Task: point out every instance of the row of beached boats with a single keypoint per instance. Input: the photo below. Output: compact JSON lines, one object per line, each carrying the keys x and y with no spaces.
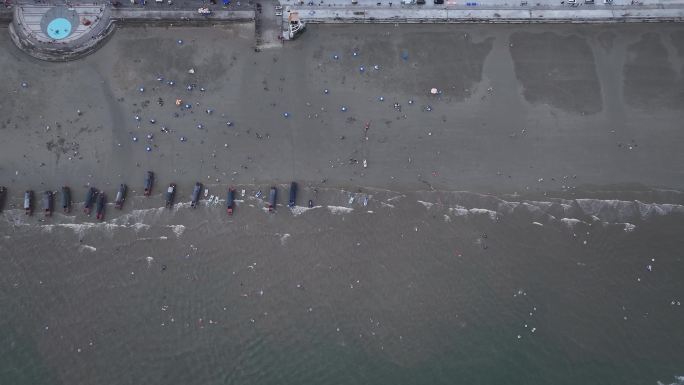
{"x":97,"y":199}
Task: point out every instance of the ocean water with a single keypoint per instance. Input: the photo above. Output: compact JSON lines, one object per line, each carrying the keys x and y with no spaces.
{"x":431,"y":287}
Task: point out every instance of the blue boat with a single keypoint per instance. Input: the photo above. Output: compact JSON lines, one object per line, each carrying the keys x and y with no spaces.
{"x":230,"y":201}
{"x":48,"y":203}
{"x":90,"y":197}
{"x":293,"y":194}
{"x":272,"y":197}
{"x":100,"y":206}
{"x":149,"y":180}
{"x":66,"y":199}
{"x":170,"y":195}
{"x":28,"y":202}
{"x":120,"y":196}
{"x":196,"y":194}
{"x":3,"y":194}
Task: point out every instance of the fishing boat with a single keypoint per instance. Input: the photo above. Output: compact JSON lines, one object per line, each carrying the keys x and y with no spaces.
{"x":120,"y":196}
{"x":28,"y":202}
{"x":293,"y":194}
{"x":170,"y":195}
{"x":66,"y":199}
{"x":90,"y":198}
{"x":272,"y":197}
{"x":3,"y":196}
{"x":195,"y":197}
{"x":100,"y":206}
{"x":149,"y":181}
{"x":48,"y":203}
{"x":230,"y":201}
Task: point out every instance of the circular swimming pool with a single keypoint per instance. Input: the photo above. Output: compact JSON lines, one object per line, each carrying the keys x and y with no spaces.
{"x":59,"y":28}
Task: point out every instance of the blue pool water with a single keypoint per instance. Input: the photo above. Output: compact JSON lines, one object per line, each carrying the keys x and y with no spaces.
{"x":59,"y":28}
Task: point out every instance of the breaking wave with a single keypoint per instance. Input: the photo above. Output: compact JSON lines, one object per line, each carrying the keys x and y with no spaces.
{"x":567,"y":212}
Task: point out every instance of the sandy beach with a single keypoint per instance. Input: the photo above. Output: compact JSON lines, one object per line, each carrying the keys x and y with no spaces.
{"x":521,"y":109}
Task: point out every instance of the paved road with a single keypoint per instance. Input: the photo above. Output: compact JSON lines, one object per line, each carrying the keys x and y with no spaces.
{"x":152,"y":4}
{"x":485,"y":4}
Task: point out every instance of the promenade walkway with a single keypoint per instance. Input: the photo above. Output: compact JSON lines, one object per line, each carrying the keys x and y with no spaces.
{"x":366,"y":11}
{"x":64,"y":32}
{"x":60,"y":31}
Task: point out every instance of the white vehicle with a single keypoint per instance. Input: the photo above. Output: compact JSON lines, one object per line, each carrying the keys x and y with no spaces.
{"x":296,"y":25}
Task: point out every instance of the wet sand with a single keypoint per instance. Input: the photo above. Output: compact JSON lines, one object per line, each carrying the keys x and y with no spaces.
{"x":551,"y":265}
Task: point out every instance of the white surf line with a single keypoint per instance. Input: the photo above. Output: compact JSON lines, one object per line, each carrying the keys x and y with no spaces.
{"x":88,"y":248}
{"x":177,"y":229}
{"x":299,"y":210}
{"x":338,"y":210}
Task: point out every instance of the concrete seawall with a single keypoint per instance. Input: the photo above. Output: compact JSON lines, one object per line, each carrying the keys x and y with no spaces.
{"x":136,"y":15}
{"x":413,"y":15}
